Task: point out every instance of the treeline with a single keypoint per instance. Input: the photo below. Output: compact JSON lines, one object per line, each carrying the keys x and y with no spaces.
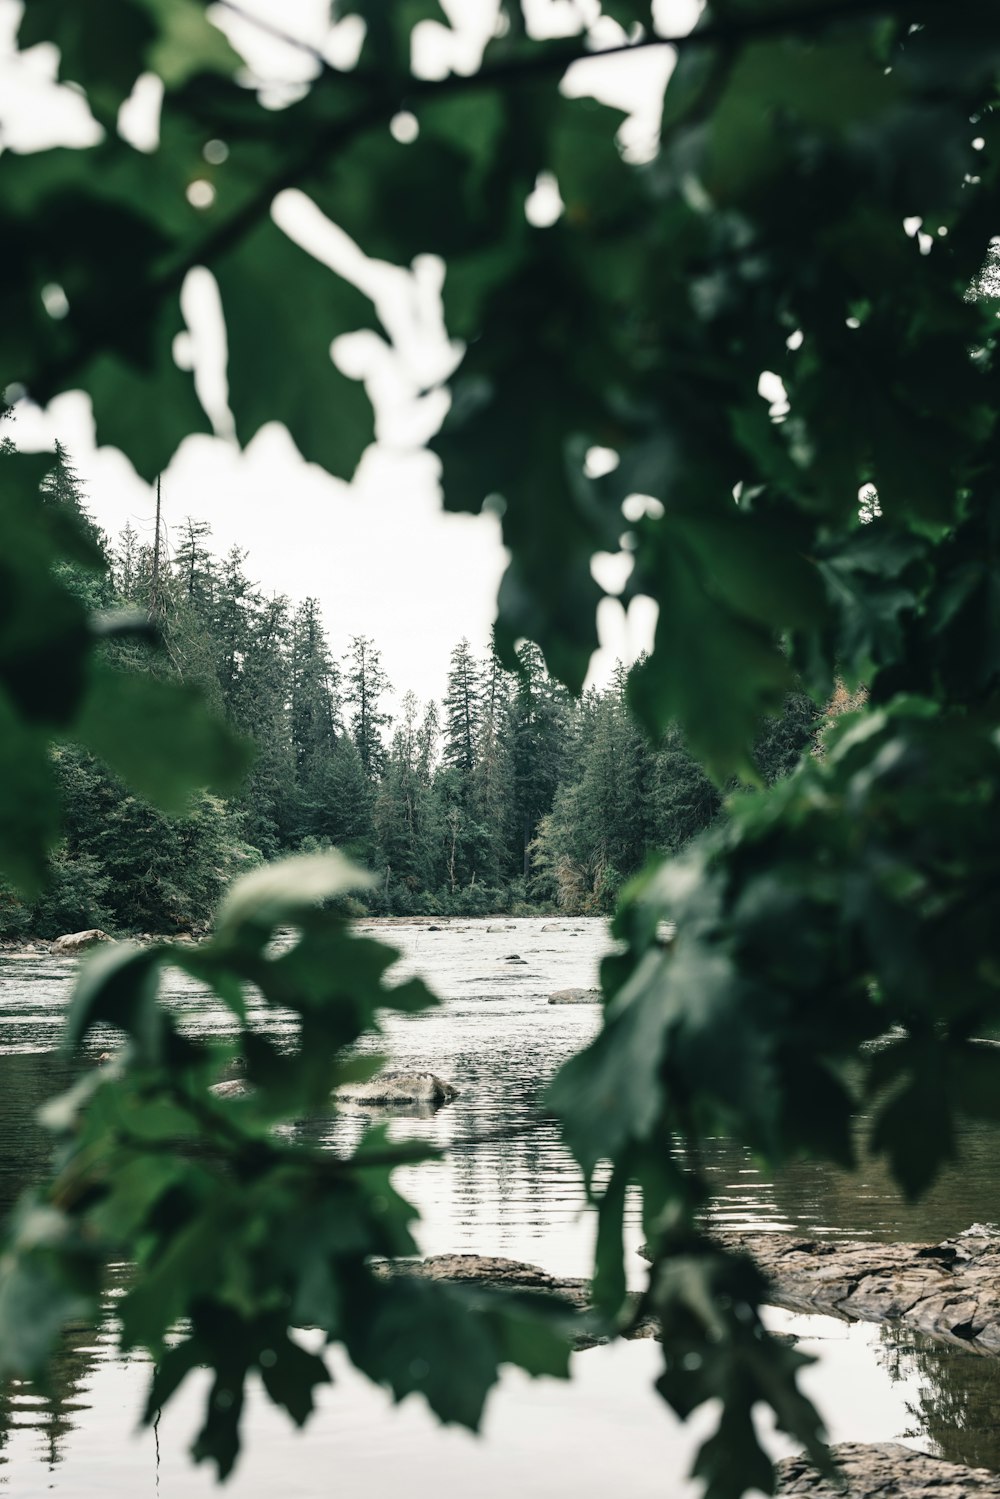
{"x":508,"y":796}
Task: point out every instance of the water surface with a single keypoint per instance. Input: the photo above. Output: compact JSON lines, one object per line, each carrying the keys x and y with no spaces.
{"x":498,"y":1040}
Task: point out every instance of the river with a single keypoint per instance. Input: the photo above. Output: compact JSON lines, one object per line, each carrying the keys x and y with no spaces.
{"x":499,"y":1041}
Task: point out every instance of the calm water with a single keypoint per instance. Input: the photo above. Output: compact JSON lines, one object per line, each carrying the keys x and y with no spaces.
{"x":499,"y":1042}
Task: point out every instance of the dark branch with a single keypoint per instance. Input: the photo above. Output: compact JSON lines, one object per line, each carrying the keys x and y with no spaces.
{"x":394,"y":94}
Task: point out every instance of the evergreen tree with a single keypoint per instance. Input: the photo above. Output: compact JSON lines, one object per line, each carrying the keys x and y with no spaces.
{"x":315,"y":726}
{"x":462,"y":710}
{"x":404,"y":810}
{"x":492,"y":777}
{"x":365,"y":683}
{"x":539,"y":714}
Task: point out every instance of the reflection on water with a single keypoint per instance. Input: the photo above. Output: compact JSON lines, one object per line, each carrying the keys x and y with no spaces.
{"x":499,"y":1042}
{"x":954,"y":1409}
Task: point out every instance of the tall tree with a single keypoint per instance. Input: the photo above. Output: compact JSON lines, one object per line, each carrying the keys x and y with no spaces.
{"x":463,"y":710}
{"x":539,"y":713}
{"x":365,"y":682}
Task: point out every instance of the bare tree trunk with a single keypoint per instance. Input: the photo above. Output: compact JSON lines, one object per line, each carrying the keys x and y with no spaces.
{"x":154,"y":591}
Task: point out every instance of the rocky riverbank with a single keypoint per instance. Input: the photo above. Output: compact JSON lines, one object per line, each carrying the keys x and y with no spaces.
{"x":949,"y":1290}
{"x":886,"y":1470}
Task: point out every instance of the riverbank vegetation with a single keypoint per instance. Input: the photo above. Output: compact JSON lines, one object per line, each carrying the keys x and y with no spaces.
{"x":511,"y":795}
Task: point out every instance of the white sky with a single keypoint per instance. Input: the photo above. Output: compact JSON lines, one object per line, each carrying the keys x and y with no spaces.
{"x":434,"y":576}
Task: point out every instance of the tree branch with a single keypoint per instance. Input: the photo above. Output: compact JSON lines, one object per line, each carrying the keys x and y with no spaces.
{"x":394,"y":94}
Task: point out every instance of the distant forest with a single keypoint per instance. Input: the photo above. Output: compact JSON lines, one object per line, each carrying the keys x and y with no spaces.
{"x":510,"y":796}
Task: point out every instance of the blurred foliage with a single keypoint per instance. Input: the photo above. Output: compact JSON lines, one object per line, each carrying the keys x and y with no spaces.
{"x":819,"y":206}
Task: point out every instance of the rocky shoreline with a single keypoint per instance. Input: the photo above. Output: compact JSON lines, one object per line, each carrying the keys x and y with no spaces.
{"x":886,"y":1470}
{"x":949,"y":1290}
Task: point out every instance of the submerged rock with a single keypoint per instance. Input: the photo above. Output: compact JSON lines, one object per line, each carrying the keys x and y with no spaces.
{"x":80,"y":941}
{"x":575,"y":997}
{"x":949,"y":1290}
{"x":887,"y":1470}
{"x":398,"y":1087}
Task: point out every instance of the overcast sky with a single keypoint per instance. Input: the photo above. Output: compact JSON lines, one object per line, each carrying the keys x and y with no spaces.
{"x":434,"y":576}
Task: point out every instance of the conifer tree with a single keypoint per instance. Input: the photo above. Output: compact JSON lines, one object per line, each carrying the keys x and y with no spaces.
{"x":365,"y":682}
{"x":462,"y":710}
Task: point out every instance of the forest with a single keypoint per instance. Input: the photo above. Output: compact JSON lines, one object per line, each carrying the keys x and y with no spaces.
{"x":510,"y":796}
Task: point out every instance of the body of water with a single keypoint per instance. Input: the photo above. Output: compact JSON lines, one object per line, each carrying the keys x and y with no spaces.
{"x":498,"y":1041}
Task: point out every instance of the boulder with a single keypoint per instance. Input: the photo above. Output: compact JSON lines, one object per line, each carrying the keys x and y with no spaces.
{"x":550,"y":926}
{"x":515,"y":957}
{"x":575,"y":997}
{"x":80,"y":941}
{"x":398,"y":1087}
{"x":887,"y":1470}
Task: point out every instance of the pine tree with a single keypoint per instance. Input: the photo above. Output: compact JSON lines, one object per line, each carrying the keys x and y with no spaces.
{"x":539,"y":716}
{"x":315,"y":724}
{"x":365,"y":683}
{"x":404,"y":810}
{"x":462,"y":710}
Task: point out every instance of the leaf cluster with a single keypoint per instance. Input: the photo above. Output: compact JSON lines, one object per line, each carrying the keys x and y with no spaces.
{"x":241,"y":1233}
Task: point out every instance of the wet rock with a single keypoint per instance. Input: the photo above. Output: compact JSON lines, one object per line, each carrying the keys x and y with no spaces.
{"x":233,"y":1087}
{"x":887,"y":1470}
{"x":949,"y":1290}
{"x":80,"y":941}
{"x":398,"y":1087}
{"x":515,"y":957}
{"x":435,"y":929}
{"x":496,"y":1273}
{"x":493,"y":1272}
{"x":575,"y":997}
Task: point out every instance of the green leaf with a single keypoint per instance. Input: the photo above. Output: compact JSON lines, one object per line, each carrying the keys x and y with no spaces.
{"x":609,"y":1256}
{"x":44,"y":638}
{"x":279,"y":893}
{"x":36,"y":1303}
{"x":700,"y":640}
{"x":102,"y":47}
{"x":143,"y":402}
{"x":283,"y":309}
{"x":290,"y":1377}
{"x":417,"y":1336}
{"x":610,"y":1092}
{"x":29,"y":813}
{"x":117,"y":984}
{"x":158,"y":735}
{"x":187,"y":43}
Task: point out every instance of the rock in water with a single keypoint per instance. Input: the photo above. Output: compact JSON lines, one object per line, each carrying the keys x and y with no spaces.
{"x":398,"y":1087}
{"x":233,"y":1087}
{"x":886,"y":1470}
{"x":575,"y":997}
{"x":949,"y":1290}
{"x":80,"y":941}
